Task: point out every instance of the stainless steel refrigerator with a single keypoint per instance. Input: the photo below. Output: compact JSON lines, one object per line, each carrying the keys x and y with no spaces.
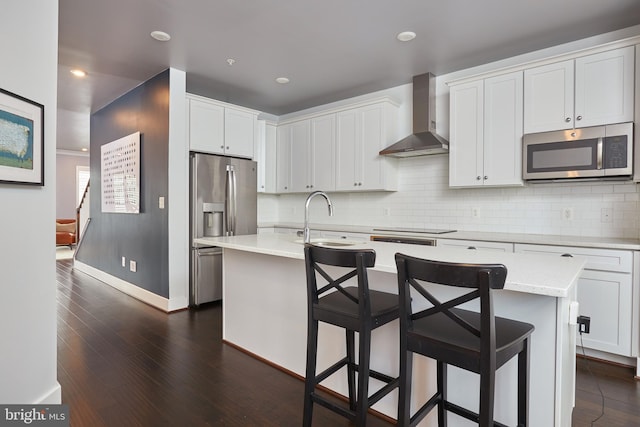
{"x":223,"y":203}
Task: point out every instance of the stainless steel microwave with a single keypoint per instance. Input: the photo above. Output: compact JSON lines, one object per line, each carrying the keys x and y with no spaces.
{"x":593,"y":152}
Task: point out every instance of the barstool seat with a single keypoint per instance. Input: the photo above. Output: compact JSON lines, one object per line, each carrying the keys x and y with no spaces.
{"x":354,"y":308}
{"x":477,"y":342}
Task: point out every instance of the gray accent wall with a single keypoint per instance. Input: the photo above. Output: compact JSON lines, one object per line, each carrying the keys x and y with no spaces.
{"x":140,"y":237}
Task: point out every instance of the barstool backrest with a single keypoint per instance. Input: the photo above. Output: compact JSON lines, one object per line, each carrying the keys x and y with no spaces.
{"x":357,"y":260}
{"x":481,"y":277}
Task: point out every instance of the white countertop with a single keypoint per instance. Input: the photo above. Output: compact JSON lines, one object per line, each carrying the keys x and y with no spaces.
{"x":530,"y":273}
{"x":537,"y":239}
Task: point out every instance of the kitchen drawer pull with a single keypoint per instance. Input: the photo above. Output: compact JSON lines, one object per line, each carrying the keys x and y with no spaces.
{"x":567,"y":255}
{"x":568,"y":119}
{"x":472,"y":247}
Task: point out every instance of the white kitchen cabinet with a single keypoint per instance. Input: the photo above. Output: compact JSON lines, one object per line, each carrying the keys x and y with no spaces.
{"x":283,"y":158}
{"x":306,"y":155}
{"x":265,"y":156}
{"x":300,"y":156}
{"x":486,"y":132}
{"x":605,"y":294}
{"x":588,"y":91}
{"x":219,"y":128}
{"x":206,"y":127}
{"x":475,"y":245}
{"x":361,"y":133}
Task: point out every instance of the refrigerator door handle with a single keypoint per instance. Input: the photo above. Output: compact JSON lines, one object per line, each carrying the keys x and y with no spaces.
{"x":231,"y":200}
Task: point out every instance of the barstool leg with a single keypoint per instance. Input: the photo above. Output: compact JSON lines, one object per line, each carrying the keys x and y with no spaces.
{"x":404,"y":386}
{"x":442,"y":392}
{"x":310,"y":375}
{"x":364,"y":339}
{"x":351,"y":371}
{"x":523,"y":385}
{"x":487,"y":391}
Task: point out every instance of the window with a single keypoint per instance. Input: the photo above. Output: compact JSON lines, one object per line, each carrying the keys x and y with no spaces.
{"x":82,"y":179}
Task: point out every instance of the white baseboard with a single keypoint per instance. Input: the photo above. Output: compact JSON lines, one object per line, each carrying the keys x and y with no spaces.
{"x":137,"y":292}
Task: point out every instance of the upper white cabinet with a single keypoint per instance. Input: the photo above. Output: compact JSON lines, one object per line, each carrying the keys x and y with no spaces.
{"x":266,"y":156}
{"x":305,"y":155}
{"x":361,"y":133}
{"x":588,"y":91}
{"x":220,"y":128}
{"x":486,"y":131}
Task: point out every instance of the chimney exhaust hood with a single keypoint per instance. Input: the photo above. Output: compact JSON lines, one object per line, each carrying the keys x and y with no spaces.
{"x":424,"y":140}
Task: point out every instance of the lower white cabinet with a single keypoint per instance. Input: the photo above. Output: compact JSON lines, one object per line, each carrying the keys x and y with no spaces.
{"x":605,"y":294}
{"x":475,"y":245}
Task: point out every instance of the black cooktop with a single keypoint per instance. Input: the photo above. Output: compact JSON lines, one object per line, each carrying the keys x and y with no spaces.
{"x":415,"y":230}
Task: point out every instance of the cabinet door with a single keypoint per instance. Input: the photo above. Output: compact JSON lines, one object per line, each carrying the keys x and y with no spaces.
{"x":466,"y":135}
{"x":206,"y":127}
{"x":300,"y":156}
{"x":369,"y":163}
{"x":323,"y":147}
{"x":604,"y":88}
{"x":283,"y":159}
{"x":503,"y":130}
{"x":239,"y":132}
{"x":606,"y":298}
{"x":266,"y":152}
{"x":346,"y":141}
{"x":548,"y":97}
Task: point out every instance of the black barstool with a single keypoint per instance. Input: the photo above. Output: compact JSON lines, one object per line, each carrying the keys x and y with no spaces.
{"x":354,"y":308}
{"x":477,"y":342}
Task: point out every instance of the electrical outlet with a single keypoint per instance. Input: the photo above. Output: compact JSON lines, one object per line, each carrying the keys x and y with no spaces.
{"x":161,"y":202}
{"x":584,"y":324}
{"x":567,"y":214}
{"x":124,"y":261}
{"x":606,"y":215}
{"x":475,"y":212}
{"x":133,"y":266}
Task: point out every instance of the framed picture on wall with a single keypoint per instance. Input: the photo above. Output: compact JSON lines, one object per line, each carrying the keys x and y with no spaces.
{"x":21,"y":140}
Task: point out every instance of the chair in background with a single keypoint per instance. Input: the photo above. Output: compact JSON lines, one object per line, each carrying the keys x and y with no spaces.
{"x":477,"y":342}
{"x":354,"y":308}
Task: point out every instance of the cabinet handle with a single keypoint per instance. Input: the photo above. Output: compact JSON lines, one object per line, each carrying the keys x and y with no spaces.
{"x":355,"y":184}
{"x":478,"y":178}
{"x":568,"y":119}
{"x":472,"y":247}
{"x":306,"y":186}
{"x":486,"y":177}
{"x":311,"y":186}
{"x":222,"y":147}
{"x":579,"y":118}
{"x":567,"y":255}
{"x":359,"y":183}
{"x":227,"y":147}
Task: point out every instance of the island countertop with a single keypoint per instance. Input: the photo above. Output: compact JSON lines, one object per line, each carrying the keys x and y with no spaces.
{"x":541,"y":274}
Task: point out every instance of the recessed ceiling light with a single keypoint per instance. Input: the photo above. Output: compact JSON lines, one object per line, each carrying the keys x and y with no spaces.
{"x":78,"y":72}
{"x":282,"y":80}
{"x":405,"y":36}
{"x":160,"y":36}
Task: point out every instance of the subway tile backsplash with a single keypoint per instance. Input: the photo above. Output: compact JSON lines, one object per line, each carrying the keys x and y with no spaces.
{"x":424,"y":200}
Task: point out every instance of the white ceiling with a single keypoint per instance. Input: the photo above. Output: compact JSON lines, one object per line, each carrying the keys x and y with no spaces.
{"x":329,"y":49}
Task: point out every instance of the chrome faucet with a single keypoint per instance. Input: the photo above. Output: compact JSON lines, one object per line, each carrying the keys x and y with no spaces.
{"x":307,"y":234}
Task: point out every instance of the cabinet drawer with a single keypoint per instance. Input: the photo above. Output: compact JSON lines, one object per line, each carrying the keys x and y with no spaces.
{"x":597,"y":259}
{"x":473,"y":244}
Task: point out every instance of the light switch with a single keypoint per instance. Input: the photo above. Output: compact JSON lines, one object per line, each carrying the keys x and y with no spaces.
{"x":161,"y":202}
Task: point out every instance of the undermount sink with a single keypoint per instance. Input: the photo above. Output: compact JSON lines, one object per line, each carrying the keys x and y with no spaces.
{"x":329,"y":242}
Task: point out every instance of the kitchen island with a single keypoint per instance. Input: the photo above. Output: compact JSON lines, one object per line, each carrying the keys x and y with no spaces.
{"x":264,"y":313}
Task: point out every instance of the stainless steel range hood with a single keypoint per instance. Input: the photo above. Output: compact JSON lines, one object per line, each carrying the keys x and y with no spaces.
{"x":424,"y":140}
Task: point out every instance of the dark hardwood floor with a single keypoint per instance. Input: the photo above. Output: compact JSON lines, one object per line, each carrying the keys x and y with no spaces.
{"x":124,"y":363}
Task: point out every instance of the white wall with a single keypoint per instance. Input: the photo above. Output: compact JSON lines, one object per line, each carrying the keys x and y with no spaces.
{"x":29,"y":46}
{"x":424,"y":199}
{"x":66,"y":163}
